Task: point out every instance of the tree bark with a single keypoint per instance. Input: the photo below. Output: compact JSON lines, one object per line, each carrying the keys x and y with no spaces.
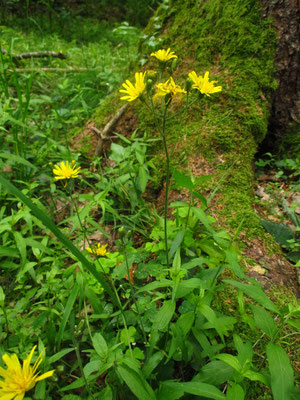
{"x":285,"y":101}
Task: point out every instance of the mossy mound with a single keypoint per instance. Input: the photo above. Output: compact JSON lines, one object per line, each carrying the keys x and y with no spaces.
{"x":237,"y":45}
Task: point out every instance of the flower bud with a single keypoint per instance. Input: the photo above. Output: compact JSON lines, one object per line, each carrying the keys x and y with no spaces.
{"x":188,"y":85}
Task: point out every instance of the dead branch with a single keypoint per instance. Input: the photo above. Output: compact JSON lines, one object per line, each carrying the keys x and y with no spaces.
{"x":73,"y":70}
{"x":103,"y":135}
{"x":35,"y":54}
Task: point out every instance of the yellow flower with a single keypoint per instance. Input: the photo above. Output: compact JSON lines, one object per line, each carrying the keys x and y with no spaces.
{"x":16,"y":379}
{"x":203,"y":84}
{"x":168,"y":87}
{"x":66,"y":170}
{"x":164,"y":55}
{"x":133,"y":92}
{"x":98,"y":250}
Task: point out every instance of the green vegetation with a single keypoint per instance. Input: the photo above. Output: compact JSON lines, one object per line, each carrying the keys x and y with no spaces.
{"x":125,"y":299}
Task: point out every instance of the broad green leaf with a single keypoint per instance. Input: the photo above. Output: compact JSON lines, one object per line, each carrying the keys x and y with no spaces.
{"x":21,"y":245}
{"x":151,"y":363}
{"x":203,"y":218}
{"x":136,"y":383}
{"x":235,"y":392}
{"x":201,"y":389}
{"x":156,"y":285}
{"x":143,"y":179}
{"x":256,"y":293}
{"x":255,"y":376}
{"x":264,"y":321}
{"x":215,"y":372}
{"x":100,"y":345}
{"x":282,"y":376}
{"x":230,"y":360}
{"x":2,"y":297}
{"x":182,"y":180}
{"x":168,"y":391}
{"x":209,"y":247}
{"x":233,"y":264}
{"x":245,"y":350}
{"x":281,"y":232}
{"x":164,"y":315}
{"x":176,"y":243}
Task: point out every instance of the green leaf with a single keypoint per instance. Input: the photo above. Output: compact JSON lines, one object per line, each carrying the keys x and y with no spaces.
{"x":21,"y":245}
{"x":281,"y":232}
{"x":156,"y":285}
{"x":256,"y":293}
{"x":17,"y":159}
{"x":235,"y":392}
{"x":67,"y":312}
{"x":215,"y":372}
{"x":182,"y":180}
{"x":264,"y":321}
{"x":143,"y":179}
{"x":151,"y":363}
{"x":233,"y":264}
{"x":136,"y":383}
{"x":282,"y":376}
{"x":176,"y":243}
{"x":127,"y":335}
{"x":203,"y":218}
{"x":255,"y":376}
{"x":201,"y":389}
{"x":168,"y":391}
{"x":210,"y":248}
{"x":100,"y":345}
{"x":230,"y":360}
{"x":59,"y":355}
{"x":164,"y":315}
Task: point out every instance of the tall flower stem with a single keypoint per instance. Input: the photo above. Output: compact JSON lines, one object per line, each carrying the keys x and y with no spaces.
{"x":162,"y":131}
{"x":167,"y":182}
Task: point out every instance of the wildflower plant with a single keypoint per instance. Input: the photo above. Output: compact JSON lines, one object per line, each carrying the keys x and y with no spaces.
{"x":167,"y":91}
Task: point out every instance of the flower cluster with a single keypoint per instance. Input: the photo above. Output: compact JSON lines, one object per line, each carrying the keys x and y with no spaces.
{"x":17,"y":379}
{"x":98,"y":250}
{"x":169,"y":88}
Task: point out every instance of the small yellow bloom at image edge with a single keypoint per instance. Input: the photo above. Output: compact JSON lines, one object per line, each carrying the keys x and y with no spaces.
{"x":15,"y":380}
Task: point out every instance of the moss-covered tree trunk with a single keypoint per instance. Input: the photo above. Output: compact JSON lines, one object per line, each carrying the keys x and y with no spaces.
{"x":235,"y":42}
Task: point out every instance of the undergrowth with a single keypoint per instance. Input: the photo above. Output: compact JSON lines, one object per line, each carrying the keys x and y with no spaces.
{"x":124,"y":301}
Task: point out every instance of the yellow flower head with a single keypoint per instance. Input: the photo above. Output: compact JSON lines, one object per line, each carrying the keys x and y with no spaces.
{"x":64,"y":170}
{"x":168,"y":87}
{"x":203,"y":84}
{"x":133,"y":92}
{"x":164,"y":55}
{"x":16,"y":380}
{"x":98,"y":250}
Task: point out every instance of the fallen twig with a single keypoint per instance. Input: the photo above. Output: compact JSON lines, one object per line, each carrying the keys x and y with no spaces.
{"x":51,"y":70}
{"x":103,"y":135}
{"x":35,"y":54}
